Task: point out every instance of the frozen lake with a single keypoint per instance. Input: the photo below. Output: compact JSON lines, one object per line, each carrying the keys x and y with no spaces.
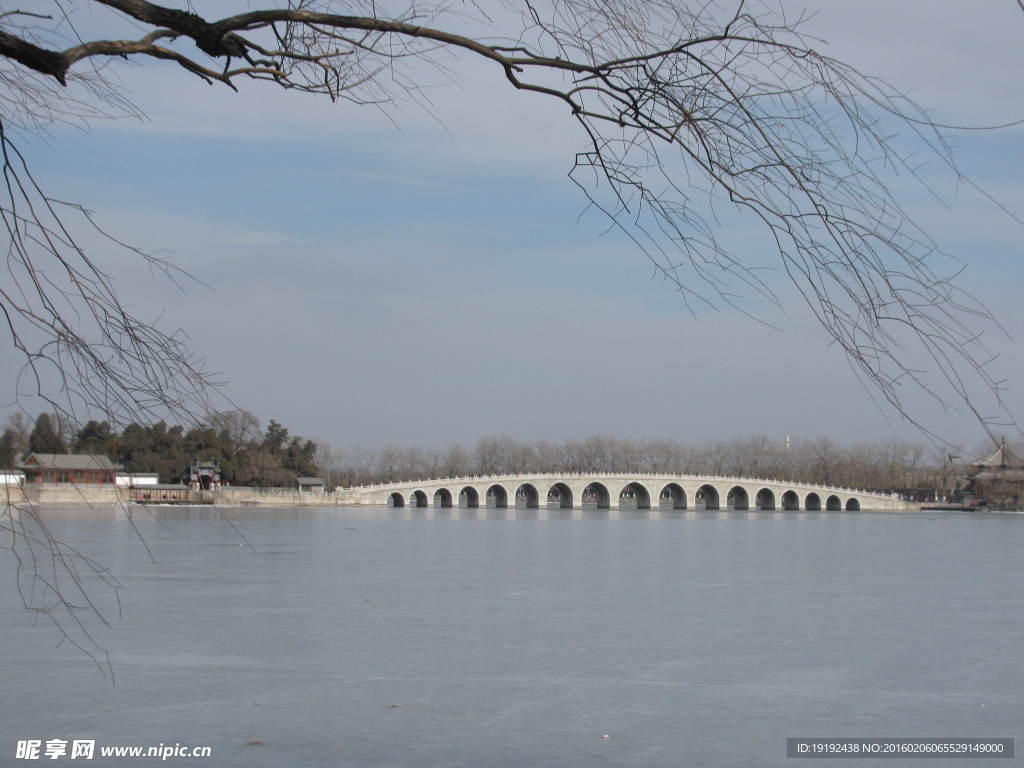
{"x":377,"y":637}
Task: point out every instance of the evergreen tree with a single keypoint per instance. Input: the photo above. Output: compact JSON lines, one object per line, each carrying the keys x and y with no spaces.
{"x":275,"y":439}
{"x":19,"y":427}
{"x":300,"y":457}
{"x":44,"y":438}
{"x":8,"y":454}
{"x":95,"y":438}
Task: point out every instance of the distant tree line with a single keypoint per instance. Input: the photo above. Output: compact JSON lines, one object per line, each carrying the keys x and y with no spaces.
{"x":891,"y":464}
{"x":246,"y":454}
{"x":251,"y":456}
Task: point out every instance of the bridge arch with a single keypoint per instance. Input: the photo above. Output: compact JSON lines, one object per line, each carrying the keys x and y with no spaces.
{"x":765,"y":499}
{"x":497,"y":496}
{"x":833,"y":504}
{"x":672,"y":496}
{"x":790,"y":501}
{"x":635,"y":495}
{"x":418,"y":499}
{"x":706,"y":497}
{"x":737,"y":498}
{"x":469,"y":497}
{"x":395,"y":499}
{"x":560,"y":494}
{"x":596,"y":494}
{"x":812,"y":502}
{"x":442,"y":498}
{"x":853,"y":505}
{"x":527,"y":495}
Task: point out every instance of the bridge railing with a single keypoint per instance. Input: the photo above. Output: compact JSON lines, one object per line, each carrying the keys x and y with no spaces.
{"x":277,"y":491}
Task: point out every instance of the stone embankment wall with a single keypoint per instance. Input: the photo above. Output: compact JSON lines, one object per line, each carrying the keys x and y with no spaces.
{"x":273,"y":497}
{"x":70,"y":493}
{"x":12,"y":494}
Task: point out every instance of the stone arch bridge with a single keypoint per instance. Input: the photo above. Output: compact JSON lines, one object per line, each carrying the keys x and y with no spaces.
{"x":624,"y":491}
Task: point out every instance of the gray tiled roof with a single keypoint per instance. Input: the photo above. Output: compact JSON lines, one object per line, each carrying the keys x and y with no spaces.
{"x":67,"y":461}
{"x":1003,"y":457}
{"x":1003,"y":475}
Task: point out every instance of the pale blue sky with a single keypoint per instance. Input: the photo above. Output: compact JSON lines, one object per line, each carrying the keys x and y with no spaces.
{"x":430,"y":285}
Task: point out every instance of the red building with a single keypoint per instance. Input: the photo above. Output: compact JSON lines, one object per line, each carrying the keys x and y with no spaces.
{"x":68,"y":468}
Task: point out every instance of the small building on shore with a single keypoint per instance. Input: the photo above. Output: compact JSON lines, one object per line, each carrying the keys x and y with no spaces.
{"x":161,"y":493}
{"x":12,"y":477}
{"x":136,"y":479}
{"x":81,"y":468}
{"x":310,"y":484}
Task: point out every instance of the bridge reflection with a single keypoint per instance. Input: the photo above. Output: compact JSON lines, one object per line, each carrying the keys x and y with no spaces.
{"x":557,"y":513}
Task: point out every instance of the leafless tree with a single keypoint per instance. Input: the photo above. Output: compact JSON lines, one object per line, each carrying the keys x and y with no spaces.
{"x":882,"y":465}
{"x":81,"y":347}
{"x":455,"y":462}
{"x":20,"y":427}
{"x":328,"y":459}
{"x":497,"y":455}
{"x":240,"y":425}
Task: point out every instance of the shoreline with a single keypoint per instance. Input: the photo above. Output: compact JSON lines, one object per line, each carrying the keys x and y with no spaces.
{"x":85,"y":496}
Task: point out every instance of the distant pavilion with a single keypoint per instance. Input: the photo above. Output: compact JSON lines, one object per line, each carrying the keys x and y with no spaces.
{"x":998,"y":480}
